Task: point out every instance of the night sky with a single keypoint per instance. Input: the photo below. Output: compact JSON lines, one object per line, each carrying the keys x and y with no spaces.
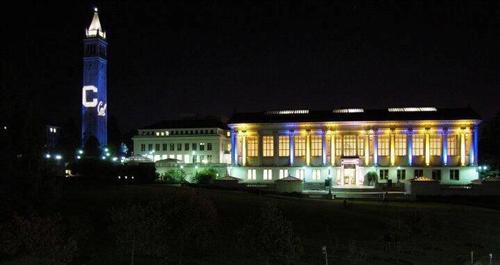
{"x":173,"y":59}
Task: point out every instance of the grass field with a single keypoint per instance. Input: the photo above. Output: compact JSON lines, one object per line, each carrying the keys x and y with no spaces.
{"x":363,"y":232}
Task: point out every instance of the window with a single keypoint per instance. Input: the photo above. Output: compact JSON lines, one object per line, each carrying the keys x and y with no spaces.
{"x":186,"y":159}
{"x":194,"y":147}
{"x":316,"y":174}
{"x":209,"y":158}
{"x":316,"y":147}
{"x":284,"y":145}
{"x":418,"y":173}
{"x":268,"y":174}
{"x":157,"y":147}
{"x":361,"y":145}
{"x":252,"y":146}
{"x":384,"y":173}
{"x":209,"y":146}
{"x":202,"y":146}
{"x":165,"y":147}
{"x":418,"y":145}
{"x":143,"y":147}
{"x":452,"y":145}
{"x":435,"y":145}
{"x":268,"y":145}
{"x":436,"y":174}
{"x":349,"y":144}
{"x":401,"y":174}
{"x":251,"y":174}
{"x":299,"y":173}
{"x":179,"y":147}
{"x":400,"y":144}
{"x":300,"y":145}
{"x":454,"y":174}
{"x":195,"y":159}
{"x":150,"y":147}
{"x":383,"y":145}
{"x":283,"y":173}
{"x":186,"y":147}
{"x":338,"y":145}
{"x":179,"y":157}
{"x":172,"y":147}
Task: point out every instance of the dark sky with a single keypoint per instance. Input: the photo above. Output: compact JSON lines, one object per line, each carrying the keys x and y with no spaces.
{"x":167,"y":60}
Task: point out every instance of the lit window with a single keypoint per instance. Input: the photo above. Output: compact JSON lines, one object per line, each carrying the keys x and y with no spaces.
{"x":157,"y":133}
{"x":284,"y":145}
{"x":268,"y":145}
{"x":300,"y":145}
{"x":179,"y":157}
{"x":251,"y":174}
{"x":418,"y":145}
{"x":202,"y":146}
{"x":186,"y":159}
{"x":252,"y":146}
{"x":316,"y":146}
{"x":383,"y":145}
{"x":268,"y":174}
{"x":349,"y":145}
{"x":338,"y":146}
{"x":435,"y":145}
{"x":316,"y":174}
{"x":452,"y":145}
{"x":400,"y":144}
{"x":299,"y":173}
{"x":361,"y":145}
{"x":283,"y":173}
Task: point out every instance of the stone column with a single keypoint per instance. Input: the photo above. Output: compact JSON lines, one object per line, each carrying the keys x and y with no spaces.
{"x":292,"y":147}
{"x":308,"y":148}
{"x":444,"y":149}
{"x":367,"y":148}
{"x":244,"y":149}
{"x":332,"y":148}
{"x":375,"y":147}
{"x":276,"y":148}
{"x":473,"y":146}
{"x":392,"y":153}
{"x":427,"y":147}
{"x":462,"y":148}
{"x":409,"y":146}
{"x":260,"y":148}
{"x":234,"y":148}
{"x":323,"y":151}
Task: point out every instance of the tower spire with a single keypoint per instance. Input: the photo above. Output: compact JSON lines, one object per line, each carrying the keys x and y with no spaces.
{"x":95,"y":29}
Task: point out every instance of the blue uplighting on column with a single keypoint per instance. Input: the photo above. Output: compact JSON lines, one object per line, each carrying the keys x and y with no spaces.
{"x":233,"y":148}
{"x":323,"y":151}
{"x":445,"y":147}
{"x":292,"y":147}
{"x":474,"y":149}
{"x":409,"y":136}
{"x":375,"y":148}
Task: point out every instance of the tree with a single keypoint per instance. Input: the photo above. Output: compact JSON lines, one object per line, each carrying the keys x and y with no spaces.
{"x":174,"y":176}
{"x":205,"y":176}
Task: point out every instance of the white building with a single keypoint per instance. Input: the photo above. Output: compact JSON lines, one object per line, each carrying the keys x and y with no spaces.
{"x":187,"y":141}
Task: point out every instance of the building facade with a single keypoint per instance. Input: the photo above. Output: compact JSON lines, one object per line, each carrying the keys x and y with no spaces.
{"x":187,"y":141}
{"x":94,"y":91}
{"x":346,"y":144}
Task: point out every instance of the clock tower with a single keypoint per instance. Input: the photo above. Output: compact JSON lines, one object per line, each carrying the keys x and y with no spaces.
{"x":94,"y":90}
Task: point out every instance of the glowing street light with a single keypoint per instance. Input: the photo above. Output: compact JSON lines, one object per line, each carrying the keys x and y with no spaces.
{"x":47,"y":156}
{"x":58,"y":157}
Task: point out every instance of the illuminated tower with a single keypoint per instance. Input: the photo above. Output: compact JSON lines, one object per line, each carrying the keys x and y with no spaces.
{"x":94,"y":99}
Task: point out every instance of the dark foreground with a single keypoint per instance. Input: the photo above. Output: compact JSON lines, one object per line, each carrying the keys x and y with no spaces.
{"x":158,"y":224}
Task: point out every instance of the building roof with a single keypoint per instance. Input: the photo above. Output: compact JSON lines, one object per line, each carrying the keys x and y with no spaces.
{"x":356,"y":114}
{"x":187,"y":123}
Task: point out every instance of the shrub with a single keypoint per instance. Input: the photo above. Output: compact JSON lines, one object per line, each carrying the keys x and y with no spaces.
{"x":174,"y":176}
{"x":205,"y":176}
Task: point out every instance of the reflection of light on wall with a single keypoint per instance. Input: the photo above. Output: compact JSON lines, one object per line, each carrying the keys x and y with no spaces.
{"x":427,"y":150}
{"x":393,"y":155}
{"x":412,"y":109}
{"x":348,"y":110}
{"x":462,"y":148}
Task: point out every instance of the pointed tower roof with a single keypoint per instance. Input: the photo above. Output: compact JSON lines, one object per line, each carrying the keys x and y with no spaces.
{"x":95,"y":29}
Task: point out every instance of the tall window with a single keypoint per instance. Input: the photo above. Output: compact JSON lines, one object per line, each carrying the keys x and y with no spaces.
{"x":401,"y":174}
{"x":316,"y":146}
{"x":361,"y":145}
{"x":300,"y":173}
{"x":300,"y":145}
{"x":143,"y":147}
{"x":436,"y":174}
{"x":251,"y":174}
{"x":383,"y":145}
{"x":435,"y":145}
{"x":454,"y":174}
{"x":179,"y":147}
{"x":452,"y":145}
{"x":316,"y":174}
{"x":150,"y":147}
{"x":338,"y":145}
{"x":268,"y":174}
{"x":268,"y":144}
{"x":283,"y":173}
{"x":400,"y":144}
{"x":252,"y":146}
{"x":349,"y":145}
{"x":418,"y":145}
{"x":165,"y":147}
{"x":384,"y":173}
{"x":157,"y":147}
{"x":209,"y":146}
{"x":284,"y":145}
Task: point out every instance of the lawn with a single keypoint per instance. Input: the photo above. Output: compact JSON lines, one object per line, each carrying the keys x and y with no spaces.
{"x":361,"y":232}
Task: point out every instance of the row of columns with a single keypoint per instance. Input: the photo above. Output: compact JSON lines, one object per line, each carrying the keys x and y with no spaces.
{"x":473,"y":151}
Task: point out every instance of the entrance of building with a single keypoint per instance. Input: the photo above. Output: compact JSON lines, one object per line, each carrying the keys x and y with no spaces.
{"x":350,"y":174}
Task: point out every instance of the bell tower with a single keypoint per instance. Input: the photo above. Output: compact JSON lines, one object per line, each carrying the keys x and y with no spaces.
{"x":94,"y":91}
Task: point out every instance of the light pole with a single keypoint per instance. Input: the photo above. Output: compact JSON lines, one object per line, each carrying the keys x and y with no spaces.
{"x":326,"y":254}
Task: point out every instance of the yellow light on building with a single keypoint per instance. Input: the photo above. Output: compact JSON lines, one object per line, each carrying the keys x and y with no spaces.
{"x":427,"y":149}
{"x":308,"y":149}
{"x":462,"y":149}
{"x":244,"y":150}
{"x":367,"y":149}
{"x":332,"y":149}
{"x":393,"y":155}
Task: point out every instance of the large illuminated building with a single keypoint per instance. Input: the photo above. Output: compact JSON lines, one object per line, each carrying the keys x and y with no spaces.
{"x":94,"y":99}
{"x":346,"y":144}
